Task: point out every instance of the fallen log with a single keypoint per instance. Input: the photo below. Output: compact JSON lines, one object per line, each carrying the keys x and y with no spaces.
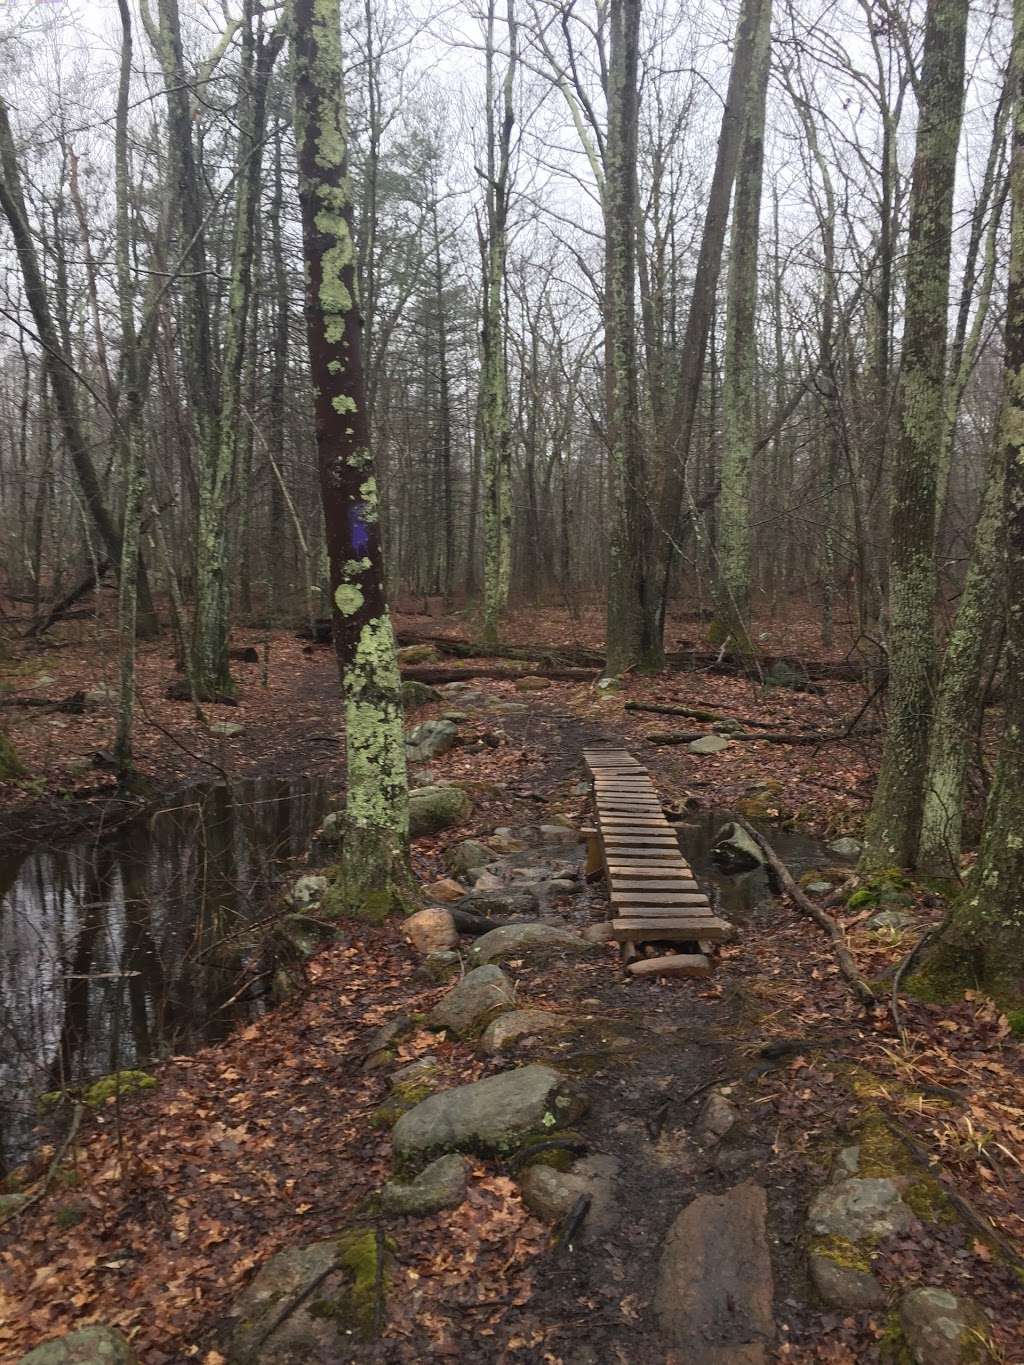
{"x":72,"y":705}
{"x":438,"y":673}
{"x":768,"y":736}
{"x":86,"y":583}
{"x":694,"y":713}
{"x":844,"y":958}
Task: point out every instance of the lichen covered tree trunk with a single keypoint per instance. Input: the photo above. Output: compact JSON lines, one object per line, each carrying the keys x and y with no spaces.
{"x":739,"y":380}
{"x":984,"y":944}
{"x":633,"y":637}
{"x":895,"y":819}
{"x":376,"y":826}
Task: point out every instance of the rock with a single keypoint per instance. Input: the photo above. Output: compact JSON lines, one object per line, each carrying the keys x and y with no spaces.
{"x":441,"y":1185}
{"x":558,"y":834}
{"x":456,"y":717}
{"x":708,"y":744}
{"x":860,"y":1208}
{"x":506,"y":843}
{"x":892,"y":919}
{"x":445,"y":889}
{"x":471,"y":1005}
{"x":11,"y":1203}
{"x":715,"y":1289}
{"x":307,"y":891}
{"x":441,"y":966}
{"x":330,"y":1308}
{"x":847,"y":1163}
{"x":416,"y":654}
{"x":431,"y":931}
{"x":531,"y":684}
{"x":694,"y":965}
{"x":95,"y":1345}
{"x":468,"y":855}
{"x":817,"y":888}
{"x":432,"y":809}
{"x":419,"y":1070}
{"x":607,"y":684}
{"x":227,"y":729}
{"x":487,"y":881}
{"x":418,"y":694}
{"x":717,"y":1117}
{"x":496,"y":1114}
{"x":502,"y":1034}
{"x":551,"y":1194}
{"x":560,"y":887}
{"x":940,"y":1328}
{"x":735,"y":850}
{"x":100,"y":695}
{"x":520,"y":901}
{"x":331,"y":831}
{"x":527,"y":940}
{"x":378,"y":1050}
{"x":430,"y":740}
{"x":529,"y":874}
{"x":846,"y":847}
{"x":597,"y":933}
{"x":844,"y":1286}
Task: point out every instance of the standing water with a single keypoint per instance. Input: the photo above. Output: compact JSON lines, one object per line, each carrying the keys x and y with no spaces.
{"x":126,"y":948}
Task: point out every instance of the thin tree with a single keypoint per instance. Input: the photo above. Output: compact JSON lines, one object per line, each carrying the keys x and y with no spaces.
{"x":376,"y":826}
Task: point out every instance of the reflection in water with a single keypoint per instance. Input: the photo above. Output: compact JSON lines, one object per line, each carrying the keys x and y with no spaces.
{"x":117,"y":952}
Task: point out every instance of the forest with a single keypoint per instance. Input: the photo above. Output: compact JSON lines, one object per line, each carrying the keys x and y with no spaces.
{"x":511,"y":732}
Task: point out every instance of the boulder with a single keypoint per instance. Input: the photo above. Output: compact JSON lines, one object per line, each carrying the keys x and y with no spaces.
{"x":445,"y":889}
{"x":941,"y":1328}
{"x":431,"y":931}
{"x":860,"y":1208}
{"x":95,"y":1345}
{"x":531,"y":683}
{"x":503,"y":1033}
{"x":441,"y":1185}
{"x":430,"y":740}
{"x":845,"y":1286}
{"x":418,"y":694}
{"x":11,"y":1203}
{"x":551,"y":1194}
{"x":307,"y":891}
{"x":846,"y":847}
{"x":708,"y":744}
{"x":432,"y":809}
{"x":487,"y":881}
{"x":467,"y":855}
{"x":735,"y":850}
{"x":227,"y":729}
{"x":379,"y":1049}
{"x":504,"y":843}
{"x":519,"y":900}
{"x":714,"y":1292}
{"x":441,"y":966}
{"x":495,"y":1115}
{"x":597,"y":933}
{"x":332,"y":1289}
{"x":416,"y":654}
{"x":818,"y":888}
{"x":558,"y":834}
{"x":527,"y":940}
{"x":717,"y":1117}
{"x":897,"y":920}
{"x":471,"y":1005}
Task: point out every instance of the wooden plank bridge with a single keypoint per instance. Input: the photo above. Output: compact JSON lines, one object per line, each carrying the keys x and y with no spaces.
{"x":654,"y":895}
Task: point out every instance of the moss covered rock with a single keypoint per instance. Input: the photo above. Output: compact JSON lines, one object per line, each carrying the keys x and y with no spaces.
{"x":432,"y":809}
{"x":418,"y":694}
{"x":95,"y":1345}
{"x":470,"y":1006}
{"x":441,"y":1185}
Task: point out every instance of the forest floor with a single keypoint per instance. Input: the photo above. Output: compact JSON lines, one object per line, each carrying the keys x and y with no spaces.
{"x":168,"y":1203}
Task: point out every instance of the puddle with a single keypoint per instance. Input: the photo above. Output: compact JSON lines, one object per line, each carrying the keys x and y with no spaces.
{"x":740,"y":895}
{"x":117,"y":951}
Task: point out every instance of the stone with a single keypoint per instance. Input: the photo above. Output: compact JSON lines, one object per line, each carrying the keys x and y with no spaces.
{"x":495,"y":1115}
{"x":487,"y":881}
{"x":11,"y":1203}
{"x":597,"y":933}
{"x":418,"y":694}
{"x":416,"y":654}
{"x":846,"y":847}
{"x":445,"y":889}
{"x":558,"y":886}
{"x":456,"y":717}
{"x":507,"y":901}
{"x":506,"y":843}
{"x":432,"y":809}
{"x":95,"y":1345}
{"x":331,"y":1288}
{"x":860,"y":1208}
{"x":690,"y":965}
{"x":378,"y":1050}
{"x":718,"y":1115}
{"x":441,"y":1185}
{"x":531,"y":684}
{"x":331,"y":829}
{"x":502,"y":1034}
{"x":551,"y":1194}
{"x":892,"y":919}
{"x":467,"y":855}
{"x":847,"y":1163}
{"x":818,"y":888}
{"x":471,"y":1005}
{"x":100,"y":695}
{"x":431,"y":931}
{"x":714,"y":1292}
{"x":735,"y":850}
{"x":441,"y":966}
{"x":708,"y":744}
{"x":558,"y":834}
{"x":527,"y":940}
{"x":430,"y":740}
{"x":941,"y":1328}
{"x":227,"y":729}
{"x":307,"y":891}
{"x":845,"y":1286}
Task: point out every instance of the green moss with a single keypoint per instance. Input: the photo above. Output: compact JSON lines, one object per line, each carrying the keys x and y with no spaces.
{"x":861,"y":897}
{"x":1015,"y":1018}
{"x":892,"y":1346}
{"x":117,"y":1083}
{"x":69,"y":1216}
{"x":357,"y":1308}
{"x":882,"y":1154}
{"x":850,"y":1255}
{"x":401,"y":1099}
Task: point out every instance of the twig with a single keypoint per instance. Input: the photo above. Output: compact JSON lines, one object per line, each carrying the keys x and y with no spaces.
{"x":76,"y":1121}
{"x":844,"y":958}
{"x":573,"y":1222}
{"x":296,"y":1301}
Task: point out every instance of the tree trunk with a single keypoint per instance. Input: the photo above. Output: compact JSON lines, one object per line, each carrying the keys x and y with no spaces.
{"x":375,"y":845}
{"x":894,"y":821}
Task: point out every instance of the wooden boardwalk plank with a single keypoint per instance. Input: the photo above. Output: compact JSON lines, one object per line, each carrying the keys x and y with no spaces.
{"x":681,"y":931}
{"x":666,"y":898}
